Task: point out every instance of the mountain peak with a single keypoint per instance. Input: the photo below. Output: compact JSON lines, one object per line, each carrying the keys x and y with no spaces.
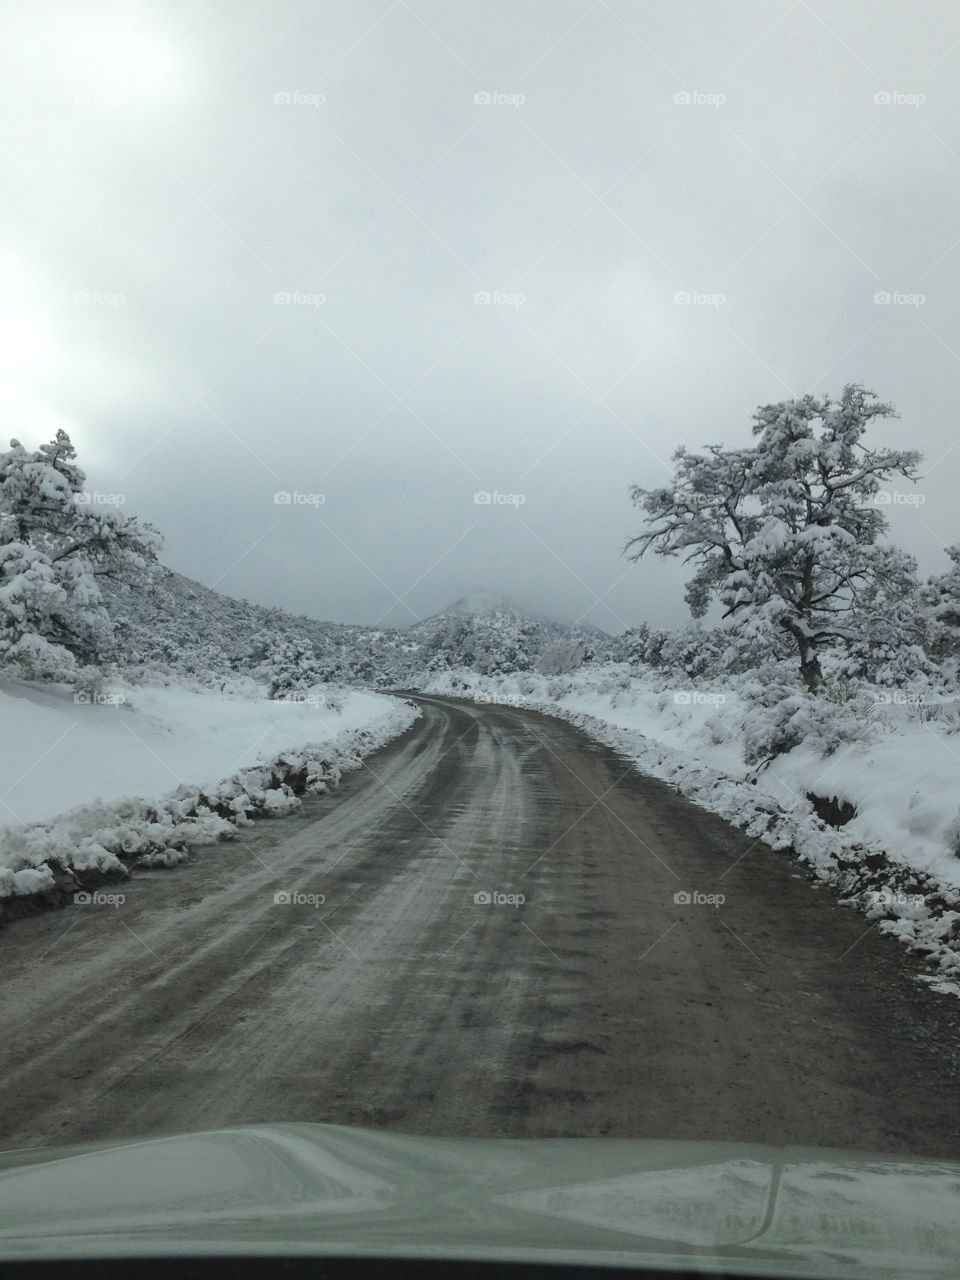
{"x":482,"y":601}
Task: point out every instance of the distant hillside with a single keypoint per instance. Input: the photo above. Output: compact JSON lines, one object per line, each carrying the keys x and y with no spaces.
{"x":491,"y":609}
{"x":487,"y":632}
{"x":178,"y":624}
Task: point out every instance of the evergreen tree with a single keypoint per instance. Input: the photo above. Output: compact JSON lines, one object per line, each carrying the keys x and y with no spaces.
{"x":54,"y":547}
{"x":784,"y":533}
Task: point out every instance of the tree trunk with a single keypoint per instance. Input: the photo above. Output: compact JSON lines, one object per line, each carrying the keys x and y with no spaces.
{"x":810,"y":671}
{"x":810,"y":667}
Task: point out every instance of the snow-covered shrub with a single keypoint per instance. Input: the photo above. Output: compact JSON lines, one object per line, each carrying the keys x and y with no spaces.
{"x":34,"y":658}
{"x":941,"y":597}
{"x":693,"y":652}
{"x":720,"y":728}
{"x":557,"y":689}
{"x":560,"y":658}
{"x":890,"y":632}
{"x":614,"y":682}
{"x":945,"y":715}
{"x":88,"y":683}
{"x":631,"y":646}
{"x":780,"y":717}
{"x":333,"y":698}
{"x":291,"y":667}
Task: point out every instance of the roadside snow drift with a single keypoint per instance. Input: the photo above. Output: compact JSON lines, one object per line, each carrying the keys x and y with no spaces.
{"x":145,"y":772}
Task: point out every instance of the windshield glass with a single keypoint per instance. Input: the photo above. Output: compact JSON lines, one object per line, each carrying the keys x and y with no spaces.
{"x":480,"y":608}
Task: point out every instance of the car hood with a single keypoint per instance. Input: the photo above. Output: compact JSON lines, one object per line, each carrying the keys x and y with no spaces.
{"x":323,"y":1189}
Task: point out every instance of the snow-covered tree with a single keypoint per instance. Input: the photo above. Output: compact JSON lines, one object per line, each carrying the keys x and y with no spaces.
{"x":497,"y":646}
{"x":632,"y":644}
{"x":941,"y":597}
{"x":784,"y":532}
{"x":291,"y":667}
{"x":55,"y":547}
{"x":692,"y":651}
{"x":891,"y":629}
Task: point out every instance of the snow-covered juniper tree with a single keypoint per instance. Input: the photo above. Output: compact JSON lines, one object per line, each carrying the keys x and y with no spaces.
{"x":784,"y":533}
{"x":291,"y":667}
{"x":891,"y":629}
{"x":630,"y":646}
{"x":941,"y":597}
{"x":54,"y":547}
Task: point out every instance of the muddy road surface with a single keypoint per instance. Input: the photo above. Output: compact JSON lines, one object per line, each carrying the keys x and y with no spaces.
{"x":482,"y":938}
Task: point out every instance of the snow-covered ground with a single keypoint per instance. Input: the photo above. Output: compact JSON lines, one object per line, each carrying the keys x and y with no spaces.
{"x":148,"y":770}
{"x":897,"y":858}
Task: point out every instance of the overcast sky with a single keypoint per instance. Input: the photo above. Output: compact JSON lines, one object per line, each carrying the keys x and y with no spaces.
{"x":171,"y":168}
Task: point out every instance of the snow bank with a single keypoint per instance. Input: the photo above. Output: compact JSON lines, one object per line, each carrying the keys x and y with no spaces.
{"x":252,"y":757}
{"x":896,"y":859}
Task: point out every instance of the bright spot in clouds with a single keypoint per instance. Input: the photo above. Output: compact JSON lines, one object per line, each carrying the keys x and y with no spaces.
{"x":121,"y":63}
{"x":23,"y":344}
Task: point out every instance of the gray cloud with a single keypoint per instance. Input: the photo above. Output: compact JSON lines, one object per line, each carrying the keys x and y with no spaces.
{"x":196,"y":161}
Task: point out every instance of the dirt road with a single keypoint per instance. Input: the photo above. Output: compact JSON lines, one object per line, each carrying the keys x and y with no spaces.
{"x":599,"y":1005}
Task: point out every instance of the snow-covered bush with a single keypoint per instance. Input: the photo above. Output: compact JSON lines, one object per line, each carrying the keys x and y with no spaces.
{"x":781,"y":716}
{"x":88,"y":683}
{"x":631,"y":645}
{"x":692,"y":652}
{"x":560,"y":658}
{"x":890,"y":630}
{"x":496,"y":645}
{"x":941,"y":597}
{"x":557,"y":688}
{"x":291,"y":667}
